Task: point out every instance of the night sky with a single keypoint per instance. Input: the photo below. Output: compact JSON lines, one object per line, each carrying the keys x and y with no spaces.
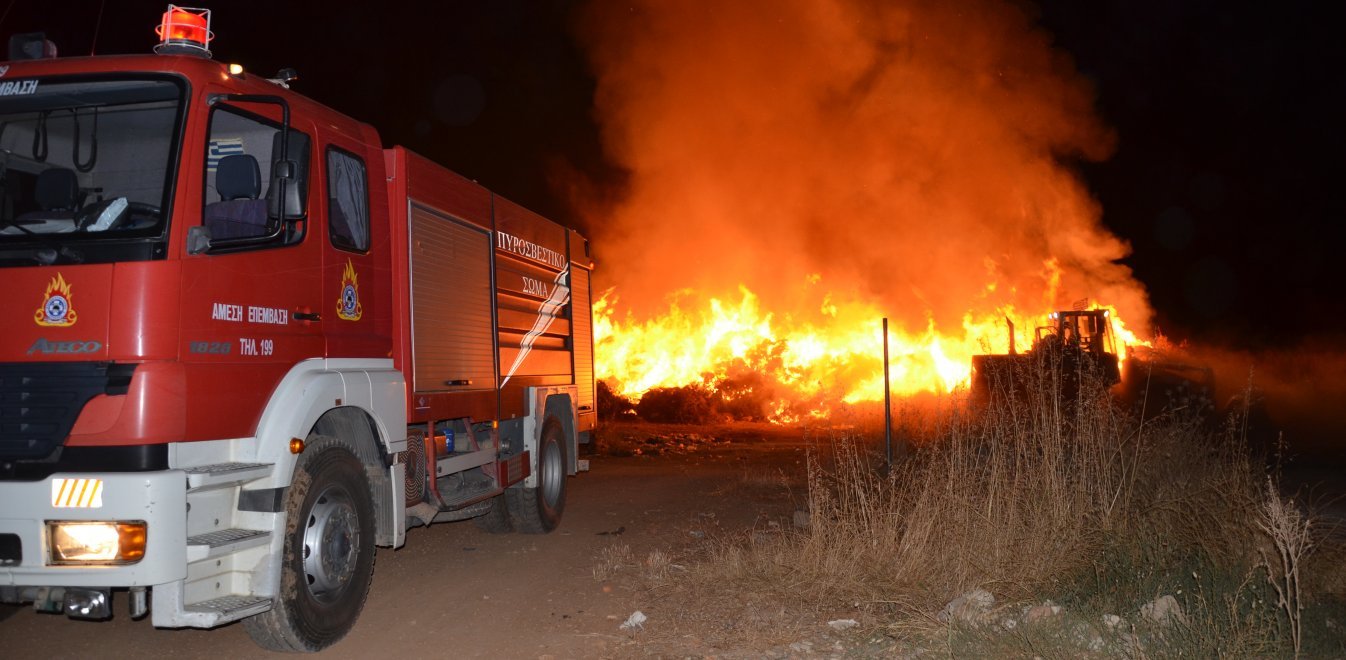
{"x":1227,"y":177}
{"x":1228,"y":116}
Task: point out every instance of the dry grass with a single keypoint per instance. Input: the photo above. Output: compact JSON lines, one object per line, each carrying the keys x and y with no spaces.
{"x":611,"y":560}
{"x":1037,"y":497}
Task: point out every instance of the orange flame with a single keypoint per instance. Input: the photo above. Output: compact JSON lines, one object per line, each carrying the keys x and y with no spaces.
{"x":58,"y":286}
{"x":806,"y":366}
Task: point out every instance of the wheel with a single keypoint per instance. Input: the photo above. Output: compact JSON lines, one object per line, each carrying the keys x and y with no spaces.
{"x":328,"y":558}
{"x":496,"y":521}
{"x":538,"y":510}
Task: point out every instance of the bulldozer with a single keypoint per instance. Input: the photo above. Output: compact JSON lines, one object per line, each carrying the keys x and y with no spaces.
{"x":1076,"y":347}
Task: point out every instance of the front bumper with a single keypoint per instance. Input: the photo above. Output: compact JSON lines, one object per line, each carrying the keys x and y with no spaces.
{"x":158,"y":498}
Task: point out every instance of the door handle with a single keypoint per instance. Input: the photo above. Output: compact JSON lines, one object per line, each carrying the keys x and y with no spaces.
{"x":306,"y":316}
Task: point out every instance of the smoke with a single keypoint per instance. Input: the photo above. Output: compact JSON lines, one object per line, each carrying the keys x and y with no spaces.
{"x":1293,"y":394}
{"x":907,"y":153}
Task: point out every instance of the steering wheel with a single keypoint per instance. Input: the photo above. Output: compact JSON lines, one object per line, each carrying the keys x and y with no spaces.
{"x":135,"y":213}
{"x":130,"y":217}
{"x":89,"y":214}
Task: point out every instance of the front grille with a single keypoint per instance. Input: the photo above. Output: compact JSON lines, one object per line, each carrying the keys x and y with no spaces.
{"x":11,"y":551}
{"x":40,"y":401}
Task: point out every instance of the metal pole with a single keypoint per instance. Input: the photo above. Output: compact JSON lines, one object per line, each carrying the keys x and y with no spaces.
{"x":887,"y":401}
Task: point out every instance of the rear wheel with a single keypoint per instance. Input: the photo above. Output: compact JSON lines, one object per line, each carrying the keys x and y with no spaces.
{"x":328,"y":558}
{"x":538,"y":510}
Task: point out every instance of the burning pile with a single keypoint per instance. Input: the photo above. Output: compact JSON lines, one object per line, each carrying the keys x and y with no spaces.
{"x":800,"y":169}
{"x":786,"y":369}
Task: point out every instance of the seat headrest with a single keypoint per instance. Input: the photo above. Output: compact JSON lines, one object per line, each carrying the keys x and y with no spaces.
{"x":238,"y":177}
{"x":57,"y":189}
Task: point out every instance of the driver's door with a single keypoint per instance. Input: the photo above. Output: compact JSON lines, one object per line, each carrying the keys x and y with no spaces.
{"x":250,"y":313}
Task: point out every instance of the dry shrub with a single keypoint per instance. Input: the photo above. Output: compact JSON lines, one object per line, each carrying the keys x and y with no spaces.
{"x":768,"y":480}
{"x":691,"y":404}
{"x":1038,"y":495}
{"x":611,"y":405}
{"x":1012,"y":504}
{"x":1291,"y":533}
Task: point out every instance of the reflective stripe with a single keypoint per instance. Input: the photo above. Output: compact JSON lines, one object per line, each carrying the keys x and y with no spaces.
{"x":77,"y":493}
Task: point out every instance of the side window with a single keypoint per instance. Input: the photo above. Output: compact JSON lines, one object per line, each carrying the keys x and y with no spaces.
{"x":243,"y":195}
{"x":347,"y":201}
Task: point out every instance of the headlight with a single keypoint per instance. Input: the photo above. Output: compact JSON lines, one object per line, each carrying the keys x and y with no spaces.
{"x":83,"y":542}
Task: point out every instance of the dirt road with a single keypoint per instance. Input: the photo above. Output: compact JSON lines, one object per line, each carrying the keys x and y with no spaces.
{"x":454,"y":591}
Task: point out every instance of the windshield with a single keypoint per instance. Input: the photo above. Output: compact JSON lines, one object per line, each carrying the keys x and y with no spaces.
{"x":83,"y":162}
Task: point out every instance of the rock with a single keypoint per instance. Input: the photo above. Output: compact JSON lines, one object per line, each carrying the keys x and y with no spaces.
{"x":971,"y":607}
{"x":1112,"y":621}
{"x":802,"y":520}
{"x":1085,"y":636}
{"x":843,"y":624}
{"x":1037,"y":613}
{"x":635,"y":622}
{"x":802,"y":647}
{"x":1163,"y":610}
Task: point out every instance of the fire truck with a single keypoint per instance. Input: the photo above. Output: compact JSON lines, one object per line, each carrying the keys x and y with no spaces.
{"x":242,"y":344}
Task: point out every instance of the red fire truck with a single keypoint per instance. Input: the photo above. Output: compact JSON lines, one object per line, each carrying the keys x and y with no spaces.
{"x":242,"y":344}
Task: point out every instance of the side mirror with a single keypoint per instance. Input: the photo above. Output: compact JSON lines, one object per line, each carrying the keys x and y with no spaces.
{"x":198,"y":239}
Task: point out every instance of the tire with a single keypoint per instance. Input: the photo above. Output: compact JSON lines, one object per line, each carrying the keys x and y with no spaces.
{"x":538,"y":510}
{"x":496,"y":521}
{"x":328,"y":557}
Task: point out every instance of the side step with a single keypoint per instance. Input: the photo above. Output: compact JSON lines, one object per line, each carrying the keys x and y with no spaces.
{"x":229,"y":608}
{"x":224,"y":475}
{"x":224,"y":542}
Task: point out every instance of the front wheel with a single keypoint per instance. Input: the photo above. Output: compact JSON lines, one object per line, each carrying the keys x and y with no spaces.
{"x":328,"y":558}
{"x":538,"y":510}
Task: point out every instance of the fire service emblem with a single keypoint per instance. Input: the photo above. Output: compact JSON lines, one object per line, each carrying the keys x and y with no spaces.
{"x":348,"y":307}
{"x":56,"y":310}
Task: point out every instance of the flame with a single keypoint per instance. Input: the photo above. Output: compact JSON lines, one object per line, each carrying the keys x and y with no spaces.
{"x":58,"y":286}
{"x":802,"y":367}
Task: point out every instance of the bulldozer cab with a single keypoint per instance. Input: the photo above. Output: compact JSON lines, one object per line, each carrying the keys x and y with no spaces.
{"x":1089,"y":330}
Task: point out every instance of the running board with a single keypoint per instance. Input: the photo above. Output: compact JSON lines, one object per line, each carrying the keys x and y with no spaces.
{"x":224,"y":475}
{"x":224,"y":542}
{"x":226,"y":609}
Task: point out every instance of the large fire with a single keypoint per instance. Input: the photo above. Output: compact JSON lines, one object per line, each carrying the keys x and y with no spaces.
{"x":800,"y":169}
{"x":808,"y":365}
